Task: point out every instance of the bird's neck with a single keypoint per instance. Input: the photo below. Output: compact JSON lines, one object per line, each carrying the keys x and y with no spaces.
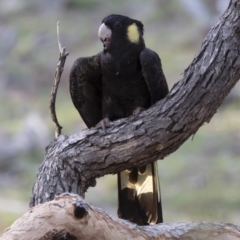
{"x":121,"y":51}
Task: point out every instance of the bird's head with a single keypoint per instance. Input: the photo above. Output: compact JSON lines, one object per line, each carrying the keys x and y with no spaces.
{"x":118,"y":29}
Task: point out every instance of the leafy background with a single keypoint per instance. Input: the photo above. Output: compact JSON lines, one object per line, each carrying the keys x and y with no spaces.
{"x":200,"y":181}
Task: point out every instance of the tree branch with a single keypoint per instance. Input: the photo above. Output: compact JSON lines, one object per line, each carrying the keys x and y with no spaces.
{"x":72,"y":163}
{"x":69,"y":217}
{"x":58,"y":73}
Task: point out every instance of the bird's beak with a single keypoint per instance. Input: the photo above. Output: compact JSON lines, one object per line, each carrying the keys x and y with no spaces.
{"x":105,"y":34}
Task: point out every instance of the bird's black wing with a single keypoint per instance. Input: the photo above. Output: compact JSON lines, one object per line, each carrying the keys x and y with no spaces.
{"x":153,"y":74}
{"x":85,"y":88}
{"x":158,"y":88}
{"x":139,"y":188}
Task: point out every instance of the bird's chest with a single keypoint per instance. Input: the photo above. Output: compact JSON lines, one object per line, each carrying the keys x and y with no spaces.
{"x":123,"y":86}
{"x":121,"y":76}
{"x":122,"y":67}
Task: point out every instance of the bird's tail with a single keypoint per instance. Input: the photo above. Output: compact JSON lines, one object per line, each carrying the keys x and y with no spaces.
{"x":139,"y":195}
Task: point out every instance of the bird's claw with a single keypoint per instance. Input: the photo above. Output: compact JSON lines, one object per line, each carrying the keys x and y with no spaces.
{"x":137,"y":111}
{"x":104,"y":123}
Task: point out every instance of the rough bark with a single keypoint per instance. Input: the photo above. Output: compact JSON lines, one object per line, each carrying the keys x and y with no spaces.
{"x":69,"y":217}
{"x":72,"y":163}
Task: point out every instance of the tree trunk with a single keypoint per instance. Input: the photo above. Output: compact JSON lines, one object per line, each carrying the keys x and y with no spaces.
{"x":69,"y":217}
{"x":72,"y":163}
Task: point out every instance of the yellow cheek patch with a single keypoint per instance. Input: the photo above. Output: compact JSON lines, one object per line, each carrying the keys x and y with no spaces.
{"x":133,"y":33}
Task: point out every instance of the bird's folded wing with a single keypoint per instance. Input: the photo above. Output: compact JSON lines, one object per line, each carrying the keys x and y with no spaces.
{"x":153,"y":74}
{"x":85,"y":88}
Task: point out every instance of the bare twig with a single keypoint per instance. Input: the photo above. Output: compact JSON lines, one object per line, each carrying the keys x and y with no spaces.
{"x":58,"y":73}
{"x":58,"y":38}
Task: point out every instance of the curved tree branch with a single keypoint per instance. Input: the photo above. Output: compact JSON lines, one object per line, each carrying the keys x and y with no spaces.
{"x":69,"y":217}
{"x":73,"y":162}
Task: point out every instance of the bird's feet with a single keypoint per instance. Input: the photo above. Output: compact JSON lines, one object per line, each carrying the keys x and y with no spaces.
{"x":137,"y":111}
{"x":104,"y":122}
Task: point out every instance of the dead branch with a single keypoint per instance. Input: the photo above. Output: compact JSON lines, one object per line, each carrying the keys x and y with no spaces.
{"x":69,"y":217}
{"x":58,"y":73}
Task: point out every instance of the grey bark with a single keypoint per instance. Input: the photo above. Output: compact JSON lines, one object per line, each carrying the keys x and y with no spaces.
{"x":68,"y":217}
{"x":72,"y":163}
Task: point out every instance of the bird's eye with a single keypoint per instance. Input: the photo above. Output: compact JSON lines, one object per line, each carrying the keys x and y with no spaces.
{"x":117,"y":25}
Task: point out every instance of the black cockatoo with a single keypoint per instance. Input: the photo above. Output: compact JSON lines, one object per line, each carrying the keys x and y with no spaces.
{"x":123,"y":80}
